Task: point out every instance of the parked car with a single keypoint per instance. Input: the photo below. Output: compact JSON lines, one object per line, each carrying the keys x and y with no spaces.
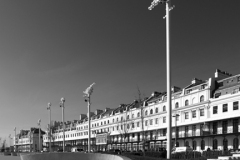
{"x":77,"y":150}
{"x":60,"y":150}
{"x":115,"y":151}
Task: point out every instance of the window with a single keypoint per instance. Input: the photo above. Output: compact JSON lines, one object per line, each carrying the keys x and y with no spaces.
{"x":188,"y":91}
{"x":146,"y":123}
{"x":238,"y":78}
{"x":156,"y":121}
{"x":235,"y":143}
{"x":224,"y":127}
{"x":217,"y":95}
{"x":177,"y":118}
{"x":186,"y":143}
{"x":235,"y":125}
{"x":146,"y":113}
{"x":151,"y":122}
{"x":132,"y":125}
{"x":138,"y":124}
{"x":164,"y":132}
{"x":164,"y":108}
{"x":164,"y":119}
{"x":132,"y":115}
{"x":215,"y":144}
{"x":235,"y":105}
{"x":186,"y":103}
{"x":128,"y":126}
{"x":194,"y":114}
{"x":215,"y":125}
{"x":138,"y":114}
{"x":225,"y":107}
{"x":113,"y":120}
{"x":176,"y":105}
{"x":202,"y":145}
{"x":201,"y":112}
{"x":186,"y":131}
{"x":156,"y":110}
{"x":121,"y":118}
{"x":194,"y":128}
{"x":186,"y":115}
{"x":151,"y":111}
{"x":127,"y":116}
{"x":201,"y":98}
{"x":215,"y":109}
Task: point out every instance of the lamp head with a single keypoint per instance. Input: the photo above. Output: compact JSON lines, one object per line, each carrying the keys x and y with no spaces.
{"x":39,"y":121}
{"x":62,"y":99}
{"x":49,"y":104}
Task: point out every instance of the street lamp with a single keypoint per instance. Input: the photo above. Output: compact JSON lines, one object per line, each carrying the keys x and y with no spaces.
{"x":39,"y":125}
{"x":87,"y":95}
{"x":15,"y":139}
{"x":49,"y":108}
{"x":169,"y":96}
{"x":176,"y":115}
{"x":62,"y":105}
{"x":9,"y":141}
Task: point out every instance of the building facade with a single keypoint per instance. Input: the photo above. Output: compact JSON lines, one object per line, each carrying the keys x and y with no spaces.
{"x":28,"y":140}
{"x":205,"y":115}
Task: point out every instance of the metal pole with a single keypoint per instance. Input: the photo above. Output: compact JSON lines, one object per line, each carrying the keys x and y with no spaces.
{"x":89,"y":126}
{"x":176,"y":131}
{"x":50,"y":131}
{"x":39,"y":149}
{"x":63,"y":127}
{"x":15,"y":140}
{"x":169,"y":96}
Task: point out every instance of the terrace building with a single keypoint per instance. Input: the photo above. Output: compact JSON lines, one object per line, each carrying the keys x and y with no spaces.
{"x":205,"y":115}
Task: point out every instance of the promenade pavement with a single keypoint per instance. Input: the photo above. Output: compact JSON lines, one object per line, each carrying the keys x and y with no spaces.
{"x":2,"y":157}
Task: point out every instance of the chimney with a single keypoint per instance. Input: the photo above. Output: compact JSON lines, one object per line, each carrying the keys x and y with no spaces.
{"x":175,"y":89}
{"x":221,"y":74}
{"x":82,"y":116}
{"x":98,"y":111}
{"x":195,"y":81}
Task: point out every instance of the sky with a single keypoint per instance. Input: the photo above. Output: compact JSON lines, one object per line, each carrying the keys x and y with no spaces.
{"x":54,"y":49}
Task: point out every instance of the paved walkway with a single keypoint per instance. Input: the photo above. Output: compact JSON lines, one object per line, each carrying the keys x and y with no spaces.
{"x":2,"y":157}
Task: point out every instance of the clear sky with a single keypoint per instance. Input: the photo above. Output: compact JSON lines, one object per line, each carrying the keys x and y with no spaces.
{"x":53,"y":49}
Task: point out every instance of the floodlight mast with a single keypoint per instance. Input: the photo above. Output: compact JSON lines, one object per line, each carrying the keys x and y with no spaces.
{"x":169,"y":96}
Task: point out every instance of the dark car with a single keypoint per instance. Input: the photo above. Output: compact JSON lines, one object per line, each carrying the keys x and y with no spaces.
{"x":115,"y":151}
{"x":60,"y":150}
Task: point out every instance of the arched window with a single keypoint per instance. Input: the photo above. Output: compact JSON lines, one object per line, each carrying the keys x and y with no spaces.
{"x":215,"y":144}
{"x":146,"y":123}
{"x":151,"y":111}
{"x":202,"y":145}
{"x":176,"y":105}
{"x":164,"y":108}
{"x":138,"y":114}
{"x":225,"y":144}
{"x":132,"y":115}
{"x":201,"y":98}
{"x":186,"y":143}
{"x":194,"y":145}
{"x":156,"y":110}
{"x":121,"y":118}
{"x":186,"y":103}
{"x":146,"y":113}
{"x":235,"y":143}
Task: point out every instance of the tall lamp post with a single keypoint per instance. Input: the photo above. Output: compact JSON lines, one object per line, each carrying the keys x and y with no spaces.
{"x":62,"y":105}
{"x":15,"y":146}
{"x":39,"y":126}
{"x":176,"y":115}
{"x":49,"y":108}
{"x":9,"y":141}
{"x":87,"y":95}
{"x":169,"y":96}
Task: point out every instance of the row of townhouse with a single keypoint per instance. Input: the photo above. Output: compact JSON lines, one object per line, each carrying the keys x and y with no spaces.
{"x":205,"y":115}
{"x":28,"y":140}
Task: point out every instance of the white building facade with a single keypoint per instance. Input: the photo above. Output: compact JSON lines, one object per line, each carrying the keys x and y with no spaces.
{"x":205,"y":115}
